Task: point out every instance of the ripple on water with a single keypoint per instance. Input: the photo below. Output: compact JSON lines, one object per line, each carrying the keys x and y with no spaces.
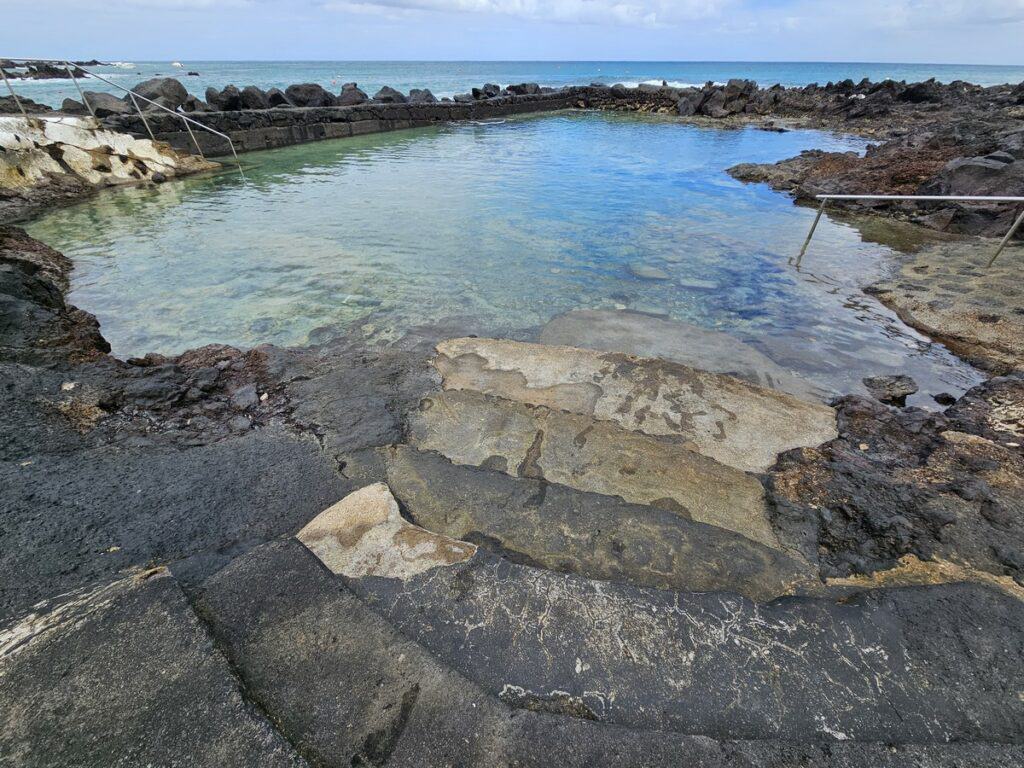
{"x":510,"y":222}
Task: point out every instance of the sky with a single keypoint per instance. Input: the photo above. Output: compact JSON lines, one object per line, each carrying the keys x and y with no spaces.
{"x":927,"y":31}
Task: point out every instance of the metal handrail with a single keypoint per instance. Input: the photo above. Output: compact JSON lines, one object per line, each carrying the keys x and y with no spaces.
{"x":134,"y":97}
{"x":959,"y":198}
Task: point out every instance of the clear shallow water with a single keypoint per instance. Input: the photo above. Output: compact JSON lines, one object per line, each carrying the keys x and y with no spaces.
{"x":508,"y":223}
{"x":449,"y":78}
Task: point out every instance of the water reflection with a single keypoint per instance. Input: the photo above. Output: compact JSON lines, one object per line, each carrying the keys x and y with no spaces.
{"x":507,"y":222}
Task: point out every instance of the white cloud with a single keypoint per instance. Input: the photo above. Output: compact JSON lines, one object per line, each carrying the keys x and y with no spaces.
{"x":647,"y":13}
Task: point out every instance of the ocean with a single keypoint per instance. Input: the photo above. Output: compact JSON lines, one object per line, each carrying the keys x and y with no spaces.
{"x":446,"y":78}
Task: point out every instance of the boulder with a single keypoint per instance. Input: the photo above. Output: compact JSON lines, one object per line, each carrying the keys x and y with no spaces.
{"x":524,"y":89}
{"x":351,"y":95}
{"x":193,"y":104}
{"x":277,"y":98}
{"x":489,"y":91}
{"x":990,"y":175}
{"x":165,"y":90}
{"x":309,"y":95}
{"x":253,"y":98}
{"x":106,"y":104}
{"x":919,"y":93}
{"x":892,"y":390}
{"x":227,"y":100}
{"x":68,"y":106}
{"x":422,"y":96}
{"x":388,"y":95}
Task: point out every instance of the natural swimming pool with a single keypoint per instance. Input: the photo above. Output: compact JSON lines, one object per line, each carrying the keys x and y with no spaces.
{"x":507,"y":223}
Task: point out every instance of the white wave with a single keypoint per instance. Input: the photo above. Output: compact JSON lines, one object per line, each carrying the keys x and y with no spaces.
{"x":122,"y":64}
{"x":671,"y":83}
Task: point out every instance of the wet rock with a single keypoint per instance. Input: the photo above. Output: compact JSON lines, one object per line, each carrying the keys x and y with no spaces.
{"x":594,"y":456}
{"x":731,"y":421}
{"x":309,"y":95}
{"x":642,"y":335}
{"x":124,"y":673}
{"x":909,"y":482}
{"x":388,"y":95}
{"x":166,"y":90}
{"x":892,"y":390}
{"x":600,"y":537}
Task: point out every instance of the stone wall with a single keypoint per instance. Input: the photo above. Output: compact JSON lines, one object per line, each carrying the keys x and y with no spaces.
{"x":255,"y":129}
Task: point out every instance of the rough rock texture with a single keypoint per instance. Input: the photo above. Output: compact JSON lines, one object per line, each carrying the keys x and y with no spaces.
{"x":949,"y":292}
{"x":716,"y":664}
{"x":313,"y":655}
{"x":635,"y":333}
{"x":534,"y":441}
{"x":893,"y":390}
{"x":731,"y":421}
{"x":47,"y":159}
{"x":555,"y":527}
{"x":124,"y":674}
{"x":911,"y":482}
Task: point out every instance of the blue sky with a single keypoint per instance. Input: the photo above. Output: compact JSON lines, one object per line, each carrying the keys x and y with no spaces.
{"x":982,"y":32}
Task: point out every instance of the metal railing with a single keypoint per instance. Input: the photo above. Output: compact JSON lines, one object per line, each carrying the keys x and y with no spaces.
{"x":135,"y":97}
{"x":957,"y":198}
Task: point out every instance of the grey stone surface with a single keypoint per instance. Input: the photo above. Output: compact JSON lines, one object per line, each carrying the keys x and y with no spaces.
{"x":723,"y":417}
{"x":125,"y":675}
{"x":600,"y":537}
{"x":348,"y":689}
{"x":573,"y":450}
{"x":643,"y":335}
{"x":916,"y":665}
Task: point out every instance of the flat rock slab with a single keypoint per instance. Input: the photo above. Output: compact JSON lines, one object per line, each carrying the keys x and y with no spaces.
{"x":600,"y":537}
{"x":634,"y":333}
{"x":736,"y":423}
{"x":348,"y":689}
{"x":596,"y":456}
{"x":125,"y":675}
{"x":914,"y":665}
{"x":364,"y":535}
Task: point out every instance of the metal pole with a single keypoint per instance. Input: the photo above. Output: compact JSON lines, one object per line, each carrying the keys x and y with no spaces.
{"x":67,"y":66}
{"x":194,"y":140}
{"x":11,"y":89}
{"x":1005,"y":240}
{"x":814,"y":226}
{"x":145,"y":122}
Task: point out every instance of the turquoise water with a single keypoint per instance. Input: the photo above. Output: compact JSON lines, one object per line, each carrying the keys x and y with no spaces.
{"x":449,"y":78}
{"x":506,"y":223}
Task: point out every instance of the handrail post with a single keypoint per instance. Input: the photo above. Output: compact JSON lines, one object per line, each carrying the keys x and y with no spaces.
{"x":11,"y":89}
{"x":67,"y":66}
{"x":814,"y":226}
{"x":1005,"y":240}
{"x":138,"y":109}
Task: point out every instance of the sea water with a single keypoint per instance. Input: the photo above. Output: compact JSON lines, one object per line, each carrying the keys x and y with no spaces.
{"x":503,"y":224}
{"x":449,"y":78}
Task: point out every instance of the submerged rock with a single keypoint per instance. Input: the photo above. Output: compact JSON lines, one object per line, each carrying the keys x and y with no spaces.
{"x":648,"y":272}
{"x":730,"y":420}
{"x":634,"y":333}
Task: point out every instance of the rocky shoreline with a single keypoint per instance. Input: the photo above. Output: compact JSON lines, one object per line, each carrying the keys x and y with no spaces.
{"x":452,"y":549}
